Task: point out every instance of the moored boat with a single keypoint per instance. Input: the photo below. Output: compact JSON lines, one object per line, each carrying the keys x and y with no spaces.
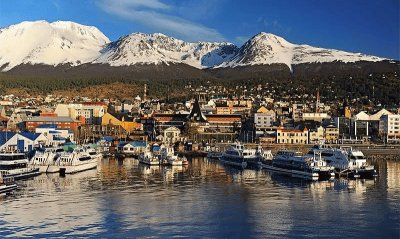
{"x":16,"y":165}
{"x":295,"y":164}
{"x":7,"y":185}
{"x":46,"y":159}
{"x":77,"y":161}
{"x":346,"y":161}
{"x":234,"y":156}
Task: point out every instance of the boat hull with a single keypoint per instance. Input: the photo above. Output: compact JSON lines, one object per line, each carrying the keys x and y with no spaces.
{"x":7,"y":188}
{"x":235,"y":163}
{"x":292,"y":172}
{"x":22,"y":174}
{"x":70,"y":169}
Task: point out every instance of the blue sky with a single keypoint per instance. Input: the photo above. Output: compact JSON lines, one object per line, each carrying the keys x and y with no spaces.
{"x":366,"y":26}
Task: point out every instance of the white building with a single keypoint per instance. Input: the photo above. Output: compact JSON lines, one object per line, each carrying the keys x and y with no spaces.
{"x":172,"y":135}
{"x":318,"y":117}
{"x":93,"y":113}
{"x":55,"y":137}
{"x":264,"y":120}
{"x":23,"y":142}
{"x":389,"y":128}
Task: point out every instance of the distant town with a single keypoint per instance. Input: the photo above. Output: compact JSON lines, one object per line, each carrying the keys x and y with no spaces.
{"x":211,"y":116}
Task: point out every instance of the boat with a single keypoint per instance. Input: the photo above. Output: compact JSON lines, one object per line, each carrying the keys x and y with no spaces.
{"x":169,"y":157}
{"x":236,"y":155}
{"x":77,"y":161}
{"x":16,"y":165}
{"x":213,"y":153}
{"x":46,"y":159}
{"x":150,"y":156}
{"x":346,"y":161}
{"x":7,"y":185}
{"x":297,"y":165}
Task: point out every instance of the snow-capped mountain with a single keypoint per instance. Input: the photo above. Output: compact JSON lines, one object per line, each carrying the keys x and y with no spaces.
{"x":266,"y":48}
{"x":40,"y":42}
{"x":62,"y":42}
{"x":158,"y":48}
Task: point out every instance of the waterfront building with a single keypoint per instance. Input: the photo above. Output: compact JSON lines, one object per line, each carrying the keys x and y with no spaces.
{"x":291,"y":136}
{"x":331,"y":133}
{"x":389,"y":128}
{"x":264,"y":119}
{"x":55,"y":136}
{"x":316,"y":135}
{"x":24,"y":141}
{"x":172,"y":135}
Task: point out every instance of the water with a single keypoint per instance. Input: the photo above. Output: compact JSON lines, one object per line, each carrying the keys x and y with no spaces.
{"x":204,"y":200}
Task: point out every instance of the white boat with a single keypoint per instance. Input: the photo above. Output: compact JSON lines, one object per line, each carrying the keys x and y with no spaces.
{"x":77,"y":161}
{"x":346,"y":161}
{"x":168,"y":156}
{"x":150,"y":156}
{"x":46,"y":159}
{"x":15,"y":165}
{"x":295,"y":164}
{"x":237,"y":155}
{"x":7,"y":185}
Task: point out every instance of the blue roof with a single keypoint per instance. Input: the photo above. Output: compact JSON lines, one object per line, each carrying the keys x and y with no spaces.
{"x":29,"y":135}
{"x":121,"y":144}
{"x":138,"y":144}
{"x":44,"y":126}
{"x":5,"y":136}
{"x":58,"y":138}
{"x":54,"y":132}
{"x":108,"y":138}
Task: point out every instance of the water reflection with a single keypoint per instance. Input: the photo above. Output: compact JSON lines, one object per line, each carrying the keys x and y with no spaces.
{"x":123,"y":198}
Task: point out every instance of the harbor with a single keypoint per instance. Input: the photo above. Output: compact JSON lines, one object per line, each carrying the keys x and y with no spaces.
{"x":126,"y":197}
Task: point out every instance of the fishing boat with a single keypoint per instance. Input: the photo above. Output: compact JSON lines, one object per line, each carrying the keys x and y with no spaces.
{"x":16,"y":165}
{"x":150,"y":156}
{"x":169,"y":157}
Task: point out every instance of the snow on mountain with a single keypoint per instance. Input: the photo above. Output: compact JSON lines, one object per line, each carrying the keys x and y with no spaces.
{"x":40,"y":42}
{"x":266,"y":48}
{"x":158,"y":48}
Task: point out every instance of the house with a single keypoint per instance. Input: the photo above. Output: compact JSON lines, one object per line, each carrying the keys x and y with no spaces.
{"x":23,"y":142}
{"x":132,"y":148}
{"x":291,"y":136}
{"x":92,"y":112}
{"x":264,"y":119}
{"x":316,"y":135}
{"x":172,"y":135}
{"x":55,"y":136}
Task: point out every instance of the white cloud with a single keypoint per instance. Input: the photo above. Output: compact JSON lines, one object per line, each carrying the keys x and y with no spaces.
{"x":158,"y":16}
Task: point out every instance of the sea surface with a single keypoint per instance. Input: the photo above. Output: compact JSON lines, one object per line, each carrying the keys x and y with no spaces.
{"x":125,"y":199}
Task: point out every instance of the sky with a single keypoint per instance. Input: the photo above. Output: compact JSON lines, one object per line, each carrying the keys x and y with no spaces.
{"x":367,"y":26}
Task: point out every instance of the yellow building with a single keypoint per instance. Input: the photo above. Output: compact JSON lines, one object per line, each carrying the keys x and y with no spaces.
{"x":291,"y":136}
{"x":331,"y":134}
{"x":109,"y":119}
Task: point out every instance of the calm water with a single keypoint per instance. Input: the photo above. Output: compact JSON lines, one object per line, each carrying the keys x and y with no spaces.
{"x":205,"y":199}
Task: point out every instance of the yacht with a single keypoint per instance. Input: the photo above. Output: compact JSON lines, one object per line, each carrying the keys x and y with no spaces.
{"x":346,"y":161}
{"x":297,"y":165}
{"x":238,"y":155}
{"x":16,"y":165}
{"x":7,"y":185}
{"x":46,"y":159}
{"x":76,"y":161}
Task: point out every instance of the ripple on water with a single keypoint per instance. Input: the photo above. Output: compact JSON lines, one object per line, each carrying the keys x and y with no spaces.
{"x":206,"y":199}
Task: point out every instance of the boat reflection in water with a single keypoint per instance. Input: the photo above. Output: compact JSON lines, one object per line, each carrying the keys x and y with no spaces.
{"x":123,"y":198}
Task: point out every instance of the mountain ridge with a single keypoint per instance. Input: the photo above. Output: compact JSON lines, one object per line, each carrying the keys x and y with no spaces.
{"x":65,"y":42}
